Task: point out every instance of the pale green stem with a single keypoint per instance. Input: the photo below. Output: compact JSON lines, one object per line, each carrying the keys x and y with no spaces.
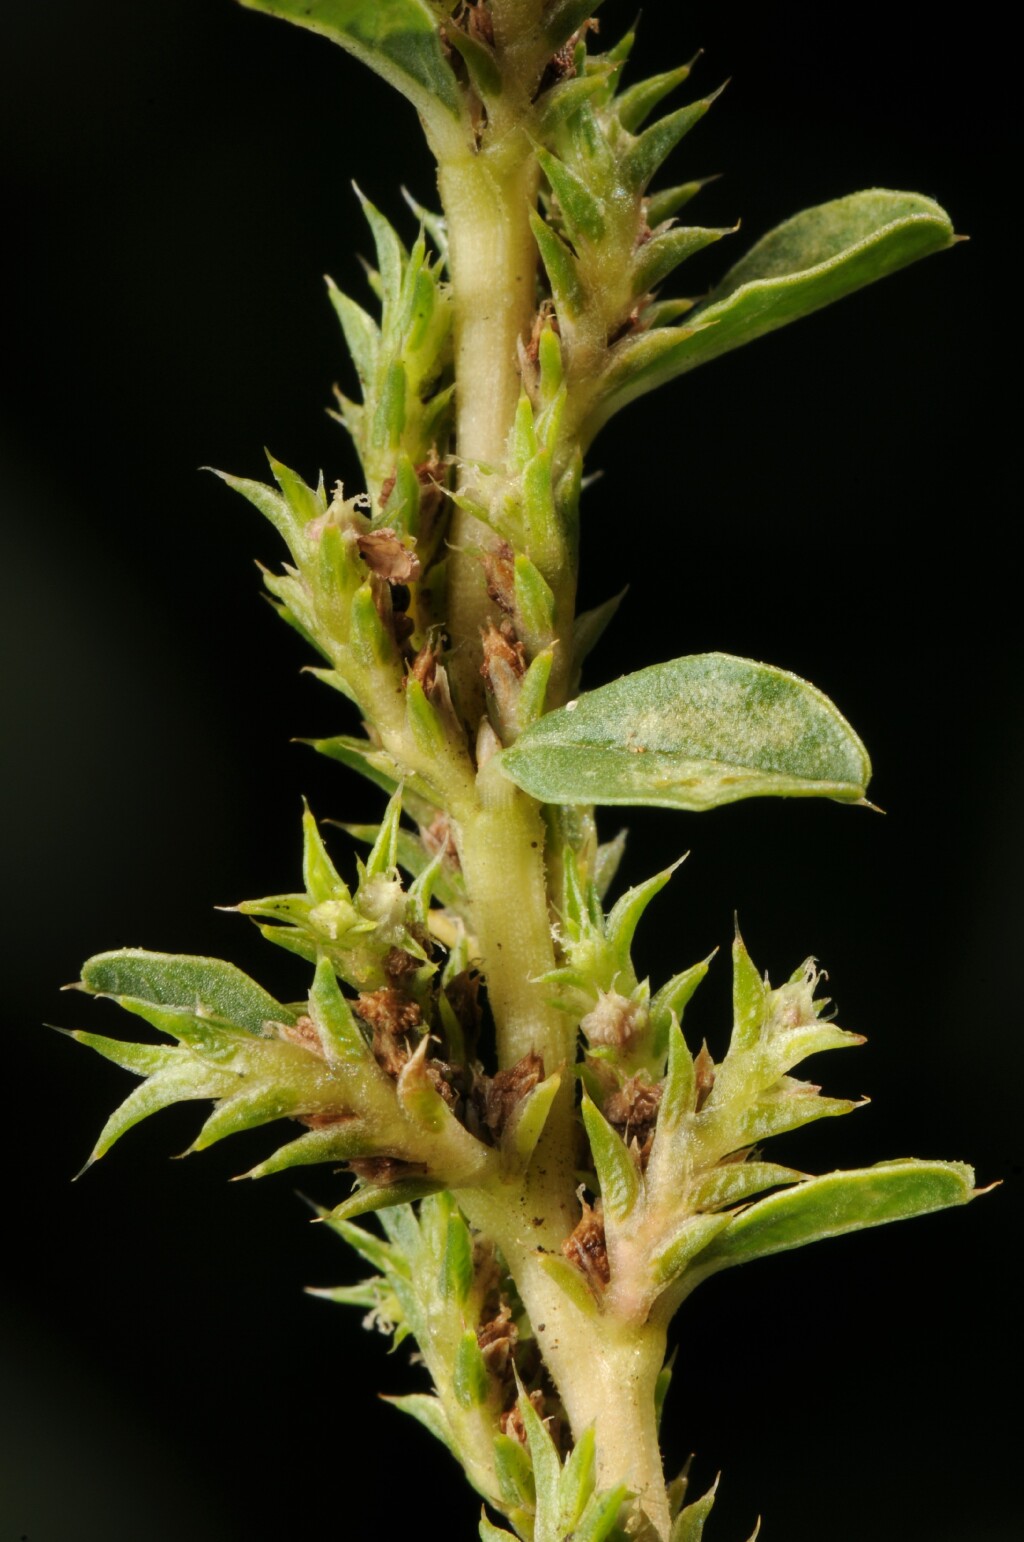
{"x":605,"y":1370}
{"x":522,"y":51}
{"x":501,"y":850}
{"x":492,"y":260}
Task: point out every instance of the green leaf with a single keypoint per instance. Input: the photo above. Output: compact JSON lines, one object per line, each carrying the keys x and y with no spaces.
{"x":864,"y":235}
{"x":515,"y":1472}
{"x":662,"y":1386}
{"x":808,"y":262}
{"x":627,"y":912}
{"x":606,"y":863}
{"x":547,"y":1469}
{"x":789,"y":1105}
{"x":749,"y":998}
{"x":370,"y":1247}
{"x":368,"y":1197}
{"x":528,"y":1119}
{"x":457,"y":1264}
{"x":674,"y":996}
{"x":680,"y":1081}
{"x":838,"y":1203}
{"x":581,"y":209}
{"x":143,"y":1059}
{"x":178,"y":1082}
{"x":362,"y":335}
{"x":335,"y":1143}
{"x":383,"y":858}
{"x":598,"y":1521}
{"x":470,"y":1381}
{"x":589,"y":627}
{"x":203,"y":985}
{"x":668,"y":201}
{"x":319,"y":874}
{"x":646,"y":154}
{"x":489,"y":1533}
{"x":577,"y":1480}
{"x":635,"y":105}
{"x":560,"y":266}
{"x":302,"y":499}
{"x":570,"y":1280}
{"x":270,"y":504}
{"x":397,"y":38}
{"x":533,"y":689}
{"x":535,"y":604}
{"x":693,"y":734}
{"x":260,"y":1102}
{"x":696,"y":1234}
{"x":733,"y":1182}
{"x":662,"y":255}
{"x":689,"y":1526}
{"x":335,"y":1021}
{"x":616,"y":1170}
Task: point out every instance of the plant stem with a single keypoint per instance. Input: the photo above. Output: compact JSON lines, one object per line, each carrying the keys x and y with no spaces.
{"x":501,"y":850}
{"x":605,"y":1370}
{"x":492,"y":261}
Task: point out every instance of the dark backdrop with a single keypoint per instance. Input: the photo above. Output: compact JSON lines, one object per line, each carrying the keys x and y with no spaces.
{"x":834,"y":499}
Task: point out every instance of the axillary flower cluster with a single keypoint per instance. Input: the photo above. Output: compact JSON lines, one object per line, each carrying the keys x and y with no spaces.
{"x":553,"y":1167}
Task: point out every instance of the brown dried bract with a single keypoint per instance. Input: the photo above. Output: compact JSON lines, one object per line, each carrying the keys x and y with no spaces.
{"x":441,"y":1076}
{"x":387,"y":555}
{"x":631,"y":323}
{"x":463,"y":993}
{"x":546,"y":317}
{"x":403,"y":626}
{"x":302,"y":1032}
{"x":427,"y":668}
{"x":497,"y":1339}
{"x":633,"y":1112}
{"x":502,"y":648}
{"x":586,"y":1247}
{"x":477,"y":21}
{"x":500,"y":576}
{"x":399,"y":964}
{"x":503,"y":1092}
{"x":511,"y":1422}
{"x":704,"y":1075}
{"x":562,"y":65}
{"x":437,"y":836}
{"x":423,"y":667}
{"x":385,"y":1169}
{"x":323,"y":1121}
{"x":393,"y":1016}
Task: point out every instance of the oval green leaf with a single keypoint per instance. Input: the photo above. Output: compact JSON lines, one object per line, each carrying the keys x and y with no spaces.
{"x":835,"y":1204}
{"x":185,"y":983}
{"x":809,"y":261}
{"x":692,"y":734}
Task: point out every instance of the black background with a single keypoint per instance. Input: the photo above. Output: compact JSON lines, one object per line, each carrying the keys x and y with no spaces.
{"x":833,"y":499}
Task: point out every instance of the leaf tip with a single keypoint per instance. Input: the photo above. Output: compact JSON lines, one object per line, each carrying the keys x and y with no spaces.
{"x":90,"y":1161}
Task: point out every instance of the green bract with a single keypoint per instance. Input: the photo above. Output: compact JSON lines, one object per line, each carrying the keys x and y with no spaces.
{"x":553,"y":1164}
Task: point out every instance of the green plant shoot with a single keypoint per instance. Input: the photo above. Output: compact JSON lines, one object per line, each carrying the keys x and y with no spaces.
{"x":553,"y":1163}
